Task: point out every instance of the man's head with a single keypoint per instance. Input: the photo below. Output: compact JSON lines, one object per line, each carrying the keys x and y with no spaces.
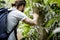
{"x":20,"y":5}
{"x":13,"y":3}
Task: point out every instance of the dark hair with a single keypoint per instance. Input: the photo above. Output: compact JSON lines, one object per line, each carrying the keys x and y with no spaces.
{"x":19,"y":3}
{"x":14,"y":4}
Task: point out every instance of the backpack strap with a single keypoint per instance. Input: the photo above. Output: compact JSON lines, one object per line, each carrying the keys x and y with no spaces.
{"x":13,"y":29}
{"x":15,"y":32}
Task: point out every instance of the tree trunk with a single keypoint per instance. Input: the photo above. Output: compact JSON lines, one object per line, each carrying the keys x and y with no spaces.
{"x":40,"y":21}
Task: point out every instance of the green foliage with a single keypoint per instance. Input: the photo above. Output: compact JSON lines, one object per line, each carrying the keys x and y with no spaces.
{"x":38,"y":1}
{"x":2,"y":2}
{"x":50,"y":24}
{"x":50,"y":9}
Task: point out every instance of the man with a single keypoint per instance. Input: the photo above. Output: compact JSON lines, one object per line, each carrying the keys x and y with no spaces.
{"x":17,"y":15}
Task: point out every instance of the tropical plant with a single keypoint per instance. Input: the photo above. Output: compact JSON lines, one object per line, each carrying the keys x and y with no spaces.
{"x":48,"y":21}
{"x":49,"y":18}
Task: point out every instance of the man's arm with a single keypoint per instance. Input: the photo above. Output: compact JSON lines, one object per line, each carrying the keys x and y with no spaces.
{"x":31,"y":21}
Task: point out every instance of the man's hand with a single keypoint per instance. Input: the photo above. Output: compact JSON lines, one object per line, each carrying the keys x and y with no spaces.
{"x":35,"y":16}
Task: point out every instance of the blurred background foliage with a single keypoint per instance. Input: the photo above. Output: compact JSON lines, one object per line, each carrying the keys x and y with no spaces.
{"x":50,"y":11}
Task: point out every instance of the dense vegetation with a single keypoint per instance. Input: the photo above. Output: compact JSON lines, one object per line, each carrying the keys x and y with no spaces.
{"x":48,"y":21}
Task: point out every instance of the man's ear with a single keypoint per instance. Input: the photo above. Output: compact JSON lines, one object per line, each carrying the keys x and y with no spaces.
{"x":22,"y":5}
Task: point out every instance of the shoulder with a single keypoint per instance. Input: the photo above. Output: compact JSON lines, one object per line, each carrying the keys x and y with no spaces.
{"x":17,"y":13}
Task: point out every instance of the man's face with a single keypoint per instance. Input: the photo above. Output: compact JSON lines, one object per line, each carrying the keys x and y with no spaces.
{"x":23,"y":7}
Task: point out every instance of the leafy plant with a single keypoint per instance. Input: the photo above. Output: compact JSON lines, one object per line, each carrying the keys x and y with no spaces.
{"x":49,"y":16}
